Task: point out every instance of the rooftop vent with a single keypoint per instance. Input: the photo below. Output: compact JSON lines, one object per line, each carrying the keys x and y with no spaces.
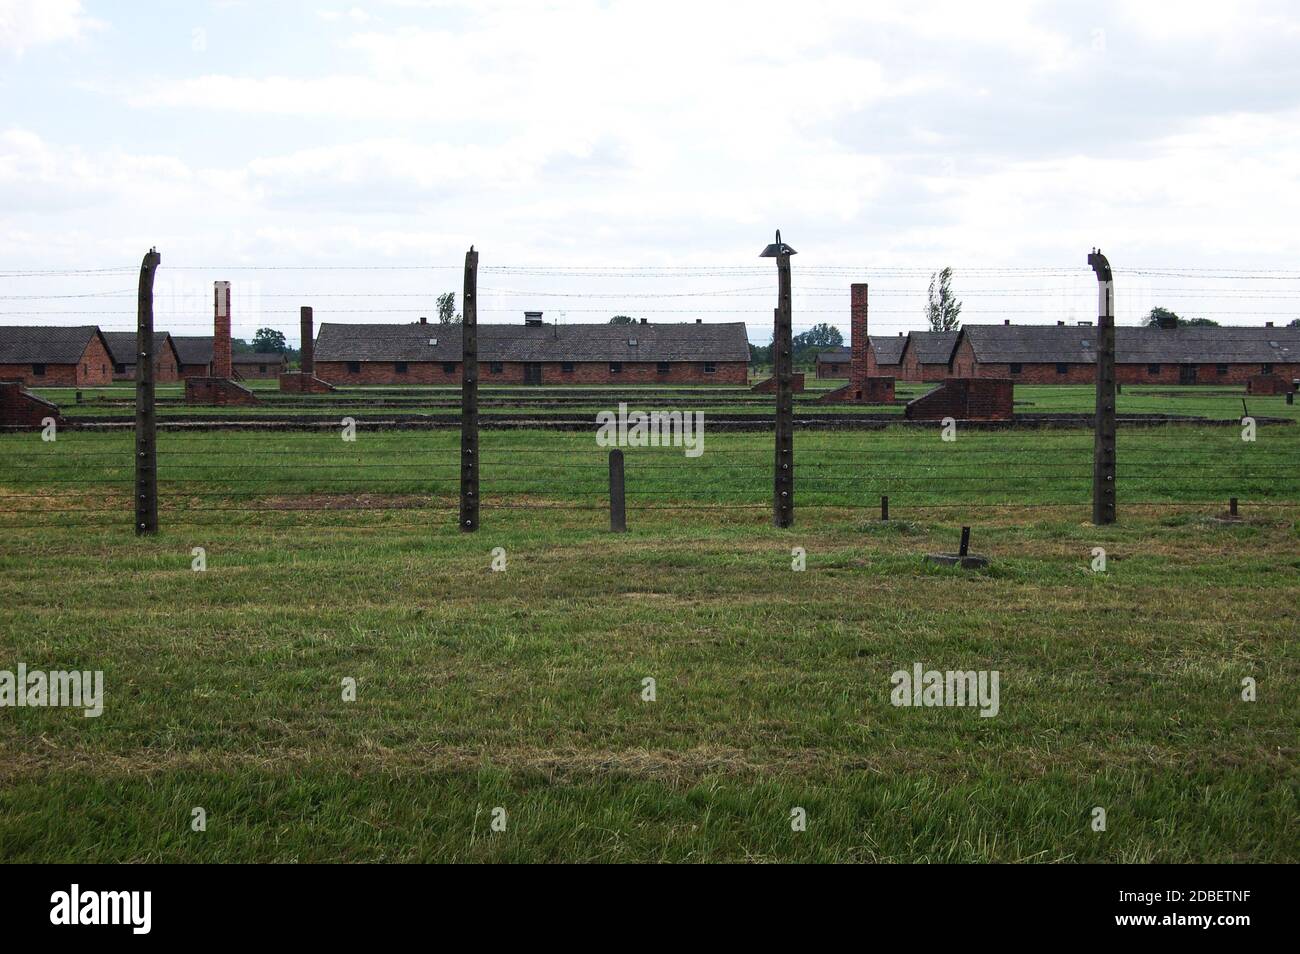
{"x":631,"y":342}
{"x":424,"y":320}
{"x":699,"y":320}
{"x":643,"y":321}
{"x":1006,"y":321}
{"x":433,"y":342}
{"x":1085,"y":324}
{"x":1060,"y":324}
{"x":533,"y":319}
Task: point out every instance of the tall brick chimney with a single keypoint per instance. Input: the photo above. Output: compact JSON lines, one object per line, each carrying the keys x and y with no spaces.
{"x":306,"y":356}
{"x":858,"y":335}
{"x":221,"y":331}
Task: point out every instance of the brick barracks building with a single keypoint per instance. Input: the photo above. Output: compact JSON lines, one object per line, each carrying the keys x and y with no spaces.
{"x":38,"y":356}
{"x":1066,"y":354}
{"x":882,"y":357}
{"x":535,"y":353}
{"x":925,"y":356}
{"x":166,"y":362}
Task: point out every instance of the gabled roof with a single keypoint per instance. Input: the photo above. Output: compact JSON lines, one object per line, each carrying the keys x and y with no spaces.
{"x":193,"y":349}
{"x":121,"y":345}
{"x":888,"y":349}
{"x":258,"y":357}
{"x":424,"y":342}
{"x":1077,"y":344}
{"x":841,"y":355}
{"x":43,"y":344}
{"x":930,"y":347}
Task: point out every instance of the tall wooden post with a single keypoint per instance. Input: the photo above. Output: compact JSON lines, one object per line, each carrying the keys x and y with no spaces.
{"x":782,"y":370}
{"x":1103,"y":453}
{"x":146,"y":422}
{"x":469,"y":398}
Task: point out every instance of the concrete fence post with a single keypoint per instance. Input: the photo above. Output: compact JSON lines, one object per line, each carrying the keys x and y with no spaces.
{"x":146,"y":422}
{"x":1103,"y":453}
{"x":469,"y":457}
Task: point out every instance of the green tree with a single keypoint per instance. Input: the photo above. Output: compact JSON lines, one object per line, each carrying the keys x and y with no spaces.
{"x":268,"y":341}
{"x":941,"y":306}
{"x":1164,"y":318}
{"x":622,"y":320}
{"x":447,"y":309}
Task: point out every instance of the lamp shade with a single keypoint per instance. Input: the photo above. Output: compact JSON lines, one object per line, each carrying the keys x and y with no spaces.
{"x":777,"y":248}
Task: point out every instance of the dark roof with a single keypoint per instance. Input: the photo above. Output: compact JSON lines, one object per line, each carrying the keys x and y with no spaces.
{"x":43,"y":344}
{"x":654,"y":342}
{"x":888,"y":349}
{"x":193,"y":349}
{"x":931,"y":347}
{"x":258,"y":357}
{"x":121,"y":345}
{"x":839,"y":355}
{"x":1077,"y":344}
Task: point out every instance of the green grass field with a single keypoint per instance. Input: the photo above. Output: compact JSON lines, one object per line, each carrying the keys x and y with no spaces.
{"x":1207,"y":402}
{"x":522,"y":689}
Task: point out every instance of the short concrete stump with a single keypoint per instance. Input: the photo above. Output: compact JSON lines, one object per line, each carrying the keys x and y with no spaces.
{"x":971,"y":561}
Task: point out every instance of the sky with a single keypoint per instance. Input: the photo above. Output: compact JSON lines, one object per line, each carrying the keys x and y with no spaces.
{"x":634,"y":158}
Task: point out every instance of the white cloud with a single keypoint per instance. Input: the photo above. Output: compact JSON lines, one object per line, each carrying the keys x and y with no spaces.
{"x":28,"y":23}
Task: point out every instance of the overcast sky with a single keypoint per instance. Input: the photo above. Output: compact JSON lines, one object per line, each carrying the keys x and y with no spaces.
{"x":885,"y":140}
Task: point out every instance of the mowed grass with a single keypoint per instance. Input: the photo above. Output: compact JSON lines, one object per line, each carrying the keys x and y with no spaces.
{"x":1204,"y":401}
{"x":522,"y":689}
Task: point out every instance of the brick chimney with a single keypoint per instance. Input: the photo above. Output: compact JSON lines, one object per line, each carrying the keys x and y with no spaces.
{"x":221,"y":331}
{"x":858,"y":335}
{"x":307,"y":356}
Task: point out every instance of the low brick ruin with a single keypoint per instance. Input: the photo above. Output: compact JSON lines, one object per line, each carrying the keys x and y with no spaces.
{"x":305,"y":381}
{"x":1265,"y":384}
{"x":862,"y":388}
{"x":219,"y":389}
{"x":19,"y":408}
{"x":768,"y":385}
{"x":964,"y":399}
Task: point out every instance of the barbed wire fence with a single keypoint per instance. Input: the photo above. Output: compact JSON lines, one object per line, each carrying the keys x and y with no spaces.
{"x":400,"y":454}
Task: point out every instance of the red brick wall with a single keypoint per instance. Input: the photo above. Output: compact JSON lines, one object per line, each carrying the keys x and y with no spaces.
{"x":877,"y":389}
{"x":298,"y":382}
{"x":165,"y":370}
{"x":93,"y":370}
{"x":826,"y":369}
{"x":586,"y":372}
{"x":768,"y":385}
{"x":219,"y":391}
{"x":964,"y":399}
{"x":858,"y":341}
{"x":251,"y":371}
{"x":17,"y":407}
{"x":965,"y":366}
{"x":221,"y":367}
{"x":1268,"y":384}
{"x":195,"y":370}
{"x":55,"y":376}
{"x":912,"y":370}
